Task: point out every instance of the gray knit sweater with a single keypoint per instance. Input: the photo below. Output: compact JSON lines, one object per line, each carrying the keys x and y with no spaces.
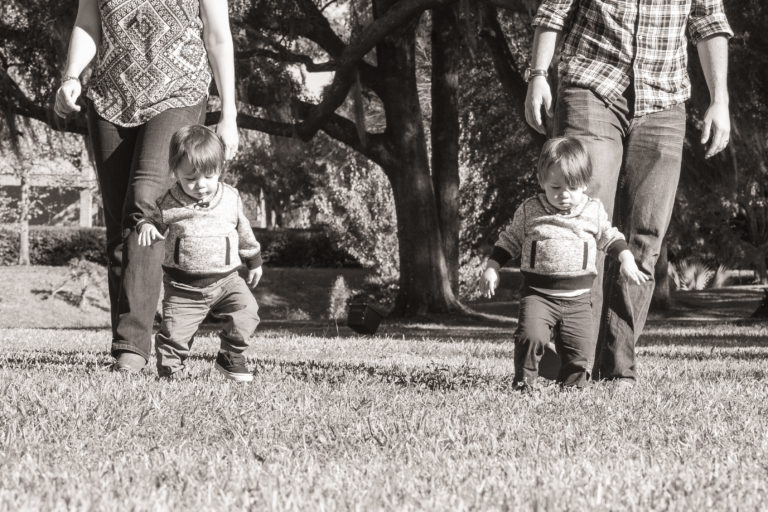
{"x":205,"y":241}
{"x":557,"y":249}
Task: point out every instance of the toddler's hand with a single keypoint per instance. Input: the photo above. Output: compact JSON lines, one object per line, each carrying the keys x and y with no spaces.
{"x":254,"y":276}
{"x":148,"y":234}
{"x":489,"y":282}
{"x":629,"y":270}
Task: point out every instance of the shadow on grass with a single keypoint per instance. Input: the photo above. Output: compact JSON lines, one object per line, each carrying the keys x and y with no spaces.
{"x":434,"y":377}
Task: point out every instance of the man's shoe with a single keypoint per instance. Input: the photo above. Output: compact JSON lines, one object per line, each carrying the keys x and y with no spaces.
{"x":128,"y":362}
{"x":232,"y":366}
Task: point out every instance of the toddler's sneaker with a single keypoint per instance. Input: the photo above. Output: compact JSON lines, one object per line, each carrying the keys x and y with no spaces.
{"x":232,"y":366}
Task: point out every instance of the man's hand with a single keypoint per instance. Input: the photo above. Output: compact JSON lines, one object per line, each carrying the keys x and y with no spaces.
{"x":148,"y":234}
{"x":489,"y":281}
{"x":254,"y":276}
{"x":629,"y":270}
{"x":716,"y":129}
{"x":66,"y":98}
{"x":539,"y":95}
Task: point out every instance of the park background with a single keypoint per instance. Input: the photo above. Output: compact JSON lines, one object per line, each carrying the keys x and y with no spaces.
{"x":383,"y":147}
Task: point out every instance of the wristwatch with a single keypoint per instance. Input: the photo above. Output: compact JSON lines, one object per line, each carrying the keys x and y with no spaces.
{"x":530,"y":73}
{"x":67,"y":78}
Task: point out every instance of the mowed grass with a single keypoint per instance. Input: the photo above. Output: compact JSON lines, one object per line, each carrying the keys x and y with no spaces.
{"x":417,"y":419}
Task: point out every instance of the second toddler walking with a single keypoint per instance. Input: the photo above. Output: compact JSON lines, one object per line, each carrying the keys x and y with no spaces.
{"x":207,"y":238}
{"x":556,"y":236}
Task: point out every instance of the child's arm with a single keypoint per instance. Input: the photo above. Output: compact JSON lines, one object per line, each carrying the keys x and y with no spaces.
{"x":614,"y":244}
{"x":506,"y":248}
{"x":629,"y":269}
{"x":249,"y":248}
{"x":148,"y":233}
{"x":150,"y":228}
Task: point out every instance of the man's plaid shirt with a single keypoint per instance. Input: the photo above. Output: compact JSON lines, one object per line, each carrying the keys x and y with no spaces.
{"x":609,"y":42}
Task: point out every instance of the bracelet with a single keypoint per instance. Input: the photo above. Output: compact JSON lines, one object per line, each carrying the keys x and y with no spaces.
{"x":67,"y":78}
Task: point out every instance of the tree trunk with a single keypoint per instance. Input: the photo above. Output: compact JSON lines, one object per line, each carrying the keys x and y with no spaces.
{"x":424,"y":284}
{"x":24,"y":204}
{"x":445,"y":135}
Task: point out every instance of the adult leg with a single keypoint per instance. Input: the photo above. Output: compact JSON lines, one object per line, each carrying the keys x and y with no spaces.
{"x":654,"y":148}
{"x":538,"y":316}
{"x":576,"y":343}
{"x":237,"y":306}
{"x":601,"y":128}
{"x":142,"y":273}
{"x":184,"y":309}
{"x":113,"y":152}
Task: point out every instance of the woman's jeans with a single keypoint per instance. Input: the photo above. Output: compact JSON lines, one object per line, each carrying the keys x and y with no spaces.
{"x":132,"y":168}
{"x":636,"y":167}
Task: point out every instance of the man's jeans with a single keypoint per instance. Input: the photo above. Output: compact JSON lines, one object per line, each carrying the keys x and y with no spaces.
{"x":571,"y":317}
{"x":636,"y":167}
{"x":184,"y":309}
{"x":132,"y":167}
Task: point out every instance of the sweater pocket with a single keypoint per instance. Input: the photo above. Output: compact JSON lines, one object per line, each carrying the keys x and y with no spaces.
{"x":558,"y":256}
{"x":203,"y":253}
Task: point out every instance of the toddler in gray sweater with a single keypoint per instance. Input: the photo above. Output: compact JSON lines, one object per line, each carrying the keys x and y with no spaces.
{"x":556,"y":236}
{"x":207,"y":239}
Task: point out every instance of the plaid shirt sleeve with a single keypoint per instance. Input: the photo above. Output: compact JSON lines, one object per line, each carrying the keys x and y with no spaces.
{"x":707,"y":19}
{"x":554,"y":14}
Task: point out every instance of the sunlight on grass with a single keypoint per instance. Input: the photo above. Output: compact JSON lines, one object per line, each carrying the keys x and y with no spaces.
{"x":392,"y":422}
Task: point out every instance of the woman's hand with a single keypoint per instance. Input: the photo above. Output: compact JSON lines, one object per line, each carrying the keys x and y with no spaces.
{"x":66,"y":98}
{"x":227,"y":130}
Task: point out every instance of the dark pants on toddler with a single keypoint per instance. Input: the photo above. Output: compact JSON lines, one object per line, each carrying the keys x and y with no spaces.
{"x":132,"y":167}
{"x":184,"y":309}
{"x":571,"y":319}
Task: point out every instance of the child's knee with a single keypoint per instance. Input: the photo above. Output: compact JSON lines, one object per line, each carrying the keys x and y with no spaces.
{"x":535,"y":335}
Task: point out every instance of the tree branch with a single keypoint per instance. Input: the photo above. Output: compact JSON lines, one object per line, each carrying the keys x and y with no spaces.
{"x":337,"y":127}
{"x":283,"y":55}
{"x":336,"y":93}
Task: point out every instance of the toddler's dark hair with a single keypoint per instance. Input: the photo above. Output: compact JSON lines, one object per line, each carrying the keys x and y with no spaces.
{"x":202,"y":147}
{"x":572,"y":158}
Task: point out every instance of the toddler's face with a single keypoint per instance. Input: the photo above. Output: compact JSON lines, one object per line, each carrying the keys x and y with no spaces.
{"x":559,"y":193}
{"x":195,"y":183}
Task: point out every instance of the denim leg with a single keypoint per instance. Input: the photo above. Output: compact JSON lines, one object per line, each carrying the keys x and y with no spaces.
{"x":237,"y":306}
{"x":643,"y":210}
{"x":581,"y":114}
{"x":538,"y":316}
{"x":112,"y":153}
{"x":184,"y":309}
{"x":141,"y":270}
{"x":576,"y":343}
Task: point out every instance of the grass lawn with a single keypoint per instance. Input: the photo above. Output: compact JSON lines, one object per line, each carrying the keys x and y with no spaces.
{"x":419,"y":418}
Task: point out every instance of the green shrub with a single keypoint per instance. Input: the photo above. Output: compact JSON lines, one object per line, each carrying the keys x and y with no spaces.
{"x":54,"y":245}
{"x":301,"y":248}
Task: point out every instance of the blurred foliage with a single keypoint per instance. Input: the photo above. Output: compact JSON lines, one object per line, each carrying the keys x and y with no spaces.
{"x":722,"y":205}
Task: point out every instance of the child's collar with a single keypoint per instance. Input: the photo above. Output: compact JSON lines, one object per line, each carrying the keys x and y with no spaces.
{"x":187,"y":200}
